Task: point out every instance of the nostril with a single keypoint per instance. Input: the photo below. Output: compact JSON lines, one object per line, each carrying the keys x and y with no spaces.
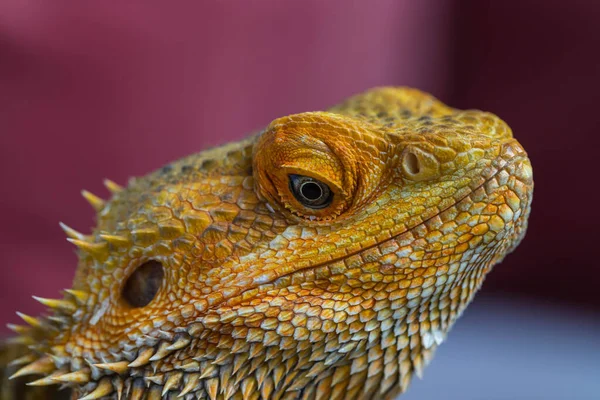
{"x":419,"y":165}
{"x":143,"y":284}
{"x":411,"y":163}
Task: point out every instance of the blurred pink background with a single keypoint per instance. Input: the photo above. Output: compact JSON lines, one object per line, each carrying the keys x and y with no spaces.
{"x":90,"y":90}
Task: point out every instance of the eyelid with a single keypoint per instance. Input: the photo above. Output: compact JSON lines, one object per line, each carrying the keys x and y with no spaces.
{"x":333,"y":186}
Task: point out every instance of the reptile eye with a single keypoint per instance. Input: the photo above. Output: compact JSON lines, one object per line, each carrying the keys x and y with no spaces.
{"x":310,"y":192}
{"x":143,"y":284}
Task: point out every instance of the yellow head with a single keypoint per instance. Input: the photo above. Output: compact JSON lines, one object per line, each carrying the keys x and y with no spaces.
{"x":331,"y":252}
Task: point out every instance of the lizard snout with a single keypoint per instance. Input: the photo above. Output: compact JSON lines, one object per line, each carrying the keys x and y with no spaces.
{"x":517,"y":179}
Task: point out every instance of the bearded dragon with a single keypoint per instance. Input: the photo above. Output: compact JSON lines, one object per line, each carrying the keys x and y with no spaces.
{"x":325,"y":257}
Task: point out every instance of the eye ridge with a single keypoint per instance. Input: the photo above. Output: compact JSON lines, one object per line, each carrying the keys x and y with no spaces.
{"x":310,"y":192}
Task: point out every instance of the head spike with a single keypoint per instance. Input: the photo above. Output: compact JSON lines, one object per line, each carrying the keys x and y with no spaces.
{"x":46,"y":381}
{"x":210,"y":371}
{"x":35,"y":322}
{"x":154,"y":393}
{"x":72,"y":233}
{"x":60,"y":320}
{"x":56,"y":304}
{"x":20,"y":341}
{"x":118,"y":385}
{"x":249,"y":386}
{"x":162,"y":352}
{"x":26,"y":359}
{"x":119,"y":367}
{"x":137,"y":389}
{"x":19,"y":329}
{"x":59,"y":350}
{"x":116,"y":240}
{"x":191,"y":383}
{"x":93,"y":249}
{"x":239,"y":361}
{"x":58,"y":360}
{"x":96,"y":202}
{"x":239,"y":346}
{"x":79,"y":295}
{"x":179,"y":343}
{"x":156,"y":379}
{"x":212,"y":387}
{"x":42,"y":366}
{"x":172,"y":382}
{"x":143,"y":358}
{"x":79,"y":377}
{"x":103,"y":389}
{"x":192,"y":366}
{"x":112,"y":186}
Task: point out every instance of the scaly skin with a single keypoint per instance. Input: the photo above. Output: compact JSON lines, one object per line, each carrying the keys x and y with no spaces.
{"x":264,"y":298}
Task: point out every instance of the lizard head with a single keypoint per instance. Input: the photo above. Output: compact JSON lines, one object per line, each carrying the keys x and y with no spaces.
{"x":329,"y":254}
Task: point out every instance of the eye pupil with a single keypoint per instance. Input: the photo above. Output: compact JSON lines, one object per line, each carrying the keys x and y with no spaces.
{"x":143,"y":284}
{"x":310,"y":192}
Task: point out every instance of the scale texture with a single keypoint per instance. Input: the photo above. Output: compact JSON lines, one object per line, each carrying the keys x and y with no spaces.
{"x":325,"y":257}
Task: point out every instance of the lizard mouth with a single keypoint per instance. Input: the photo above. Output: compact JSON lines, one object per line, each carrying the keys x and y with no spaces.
{"x":517,"y":154}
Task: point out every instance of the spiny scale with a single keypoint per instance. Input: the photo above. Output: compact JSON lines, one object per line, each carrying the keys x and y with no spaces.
{"x":191,"y":382}
{"x":118,"y":385}
{"x":48,"y":380}
{"x":19,"y":329}
{"x":63,"y":305}
{"x":42,"y":366}
{"x":172,"y":382}
{"x":115,"y":240}
{"x":73,"y":234}
{"x":26,"y":359}
{"x":93,"y":249}
{"x":96,"y":202}
{"x":155,"y":379}
{"x":79,"y":377}
{"x":120,"y":367}
{"x":179,"y":343}
{"x":34,"y":322}
{"x":112,"y":186}
{"x":104,"y":388}
{"x":143,"y":358}
{"x":137,"y":389}
{"x":79,"y":295}
{"x":162,"y":352}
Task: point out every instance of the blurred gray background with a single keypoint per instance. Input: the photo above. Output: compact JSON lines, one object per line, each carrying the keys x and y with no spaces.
{"x":515,"y":349}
